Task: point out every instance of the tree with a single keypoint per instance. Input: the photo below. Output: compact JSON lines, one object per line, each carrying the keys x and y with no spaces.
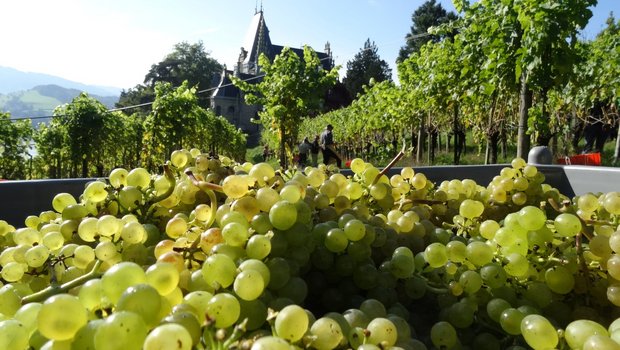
{"x":428,"y":15}
{"x":188,"y":62}
{"x":14,"y":144}
{"x":364,"y":66}
{"x":86,"y":133}
{"x":292,"y":87}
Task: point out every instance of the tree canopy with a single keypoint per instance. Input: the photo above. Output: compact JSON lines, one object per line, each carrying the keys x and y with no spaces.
{"x":187,"y":62}
{"x":292,"y":88}
{"x":364,"y":66}
{"x":429,"y":14}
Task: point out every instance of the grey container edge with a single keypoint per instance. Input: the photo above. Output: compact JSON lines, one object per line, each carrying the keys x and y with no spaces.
{"x":19,"y":199}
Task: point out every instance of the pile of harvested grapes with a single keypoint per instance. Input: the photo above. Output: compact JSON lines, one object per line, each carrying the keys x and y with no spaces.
{"x":212,"y":254}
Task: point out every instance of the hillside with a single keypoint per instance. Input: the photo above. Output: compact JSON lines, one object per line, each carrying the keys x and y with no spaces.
{"x":13,"y":80}
{"x":40,"y":101}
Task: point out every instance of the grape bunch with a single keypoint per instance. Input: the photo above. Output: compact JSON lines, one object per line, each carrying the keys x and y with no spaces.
{"x":215,"y":254}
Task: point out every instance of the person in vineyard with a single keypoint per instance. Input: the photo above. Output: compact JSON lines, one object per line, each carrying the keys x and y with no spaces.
{"x":304,"y":150}
{"x":328,"y":146}
{"x":314,"y":151}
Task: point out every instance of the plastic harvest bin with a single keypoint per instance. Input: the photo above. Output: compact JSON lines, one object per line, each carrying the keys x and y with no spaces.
{"x":18,"y":199}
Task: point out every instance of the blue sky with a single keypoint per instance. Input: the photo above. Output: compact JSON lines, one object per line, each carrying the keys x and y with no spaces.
{"x":114,"y":42}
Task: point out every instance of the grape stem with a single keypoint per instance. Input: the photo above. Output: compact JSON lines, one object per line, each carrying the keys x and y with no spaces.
{"x":391,"y":164}
{"x":582,"y":263}
{"x":63,"y":288}
{"x":171,"y":181}
{"x":203,"y":185}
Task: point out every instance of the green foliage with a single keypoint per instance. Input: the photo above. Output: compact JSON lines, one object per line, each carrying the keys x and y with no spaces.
{"x":291,"y":89}
{"x":366,"y":65}
{"x":14,"y":146}
{"x":177,"y":122}
{"x":428,"y":15}
{"x":187,"y":62}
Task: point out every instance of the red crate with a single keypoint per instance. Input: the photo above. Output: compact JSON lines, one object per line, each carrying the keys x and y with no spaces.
{"x":581,"y":159}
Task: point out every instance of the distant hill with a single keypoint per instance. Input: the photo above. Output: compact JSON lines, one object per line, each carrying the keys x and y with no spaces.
{"x":41,"y":100}
{"x":13,"y":80}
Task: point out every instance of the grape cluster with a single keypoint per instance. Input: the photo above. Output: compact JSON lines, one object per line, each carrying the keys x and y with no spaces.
{"x":214,"y":254}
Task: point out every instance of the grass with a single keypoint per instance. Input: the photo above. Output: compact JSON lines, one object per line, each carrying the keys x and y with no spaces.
{"x":473,"y":155}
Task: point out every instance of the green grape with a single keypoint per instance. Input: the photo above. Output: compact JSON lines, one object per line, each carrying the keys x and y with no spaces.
{"x":283,"y":215}
{"x":354,"y":230}
{"x":235,"y":234}
{"x":176,"y":227}
{"x":121,"y":330}
{"x":133,"y":233}
{"x":354,"y":191}
{"x":471,"y":208}
{"x":531,"y":218}
{"x":219,"y":269}
{"x":443,"y":335}
{"x":83,"y":255}
{"x":130,"y":197}
{"x":493,"y":275}
{"x":249,"y":284}
{"x":457,"y":251}
{"x":598,"y":341}
{"x":559,"y":279}
{"x":27,"y":315}
{"x":538,"y":332}
{"x":37,"y":256}
{"x":87,"y":230}
{"x":26,"y":236}
{"x":258,"y":247}
{"x":62,"y":201}
{"x":357,"y":165}
{"x":119,"y":277}
{"x":373,"y":308}
{"x":613,"y":266}
{"x":143,"y":300}
{"x":577,"y":332}
{"x":402,"y":265}
{"x":567,"y":225}
{"x":436,"y":254}
{"x":255,"y":312}
{"x":52,"y":320}
{"x":262,"y":172}
{"x":470,"y":281}
{"x":256,"y":265}
{"x":13,"y":335}
{"x":74,"y":212}
{"x":271,"y":343}
{"x":336,"y":240}
{"x":291,"y":323}
{"x":327,"y":333}
{"x":495,"y":307}
{"x":247,"y":206}
{"x":96,"y":192}
{"x":105,"y":251}
{"x":611,"y":203}
{"x":588,"y":202}
{"x":53,"y":240}
{"x":198,"y":300}
{"x":12,"y":272}
{"x":382,"y":331}
{"x":168,"y":336}
{"x":539,"y":293}
{"x":290,"y":193}
{"x":91,"y":295}
{"x":85,"y":337}
{"x":118,"y":177}
{"x":224,"y":308}
{"x":510,"y":320}
{"x":479,"y":253}
{"x":164,"y":277}
{"x":379,"y":191}
{"x":260,"y":223}
{"x":139,"y":177}
{"x":517,"y":265}
{"x":235,"y":186}
{"x":279,"y":272}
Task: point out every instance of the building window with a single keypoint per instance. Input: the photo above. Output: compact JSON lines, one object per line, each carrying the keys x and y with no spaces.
{"x":231,"y":110}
